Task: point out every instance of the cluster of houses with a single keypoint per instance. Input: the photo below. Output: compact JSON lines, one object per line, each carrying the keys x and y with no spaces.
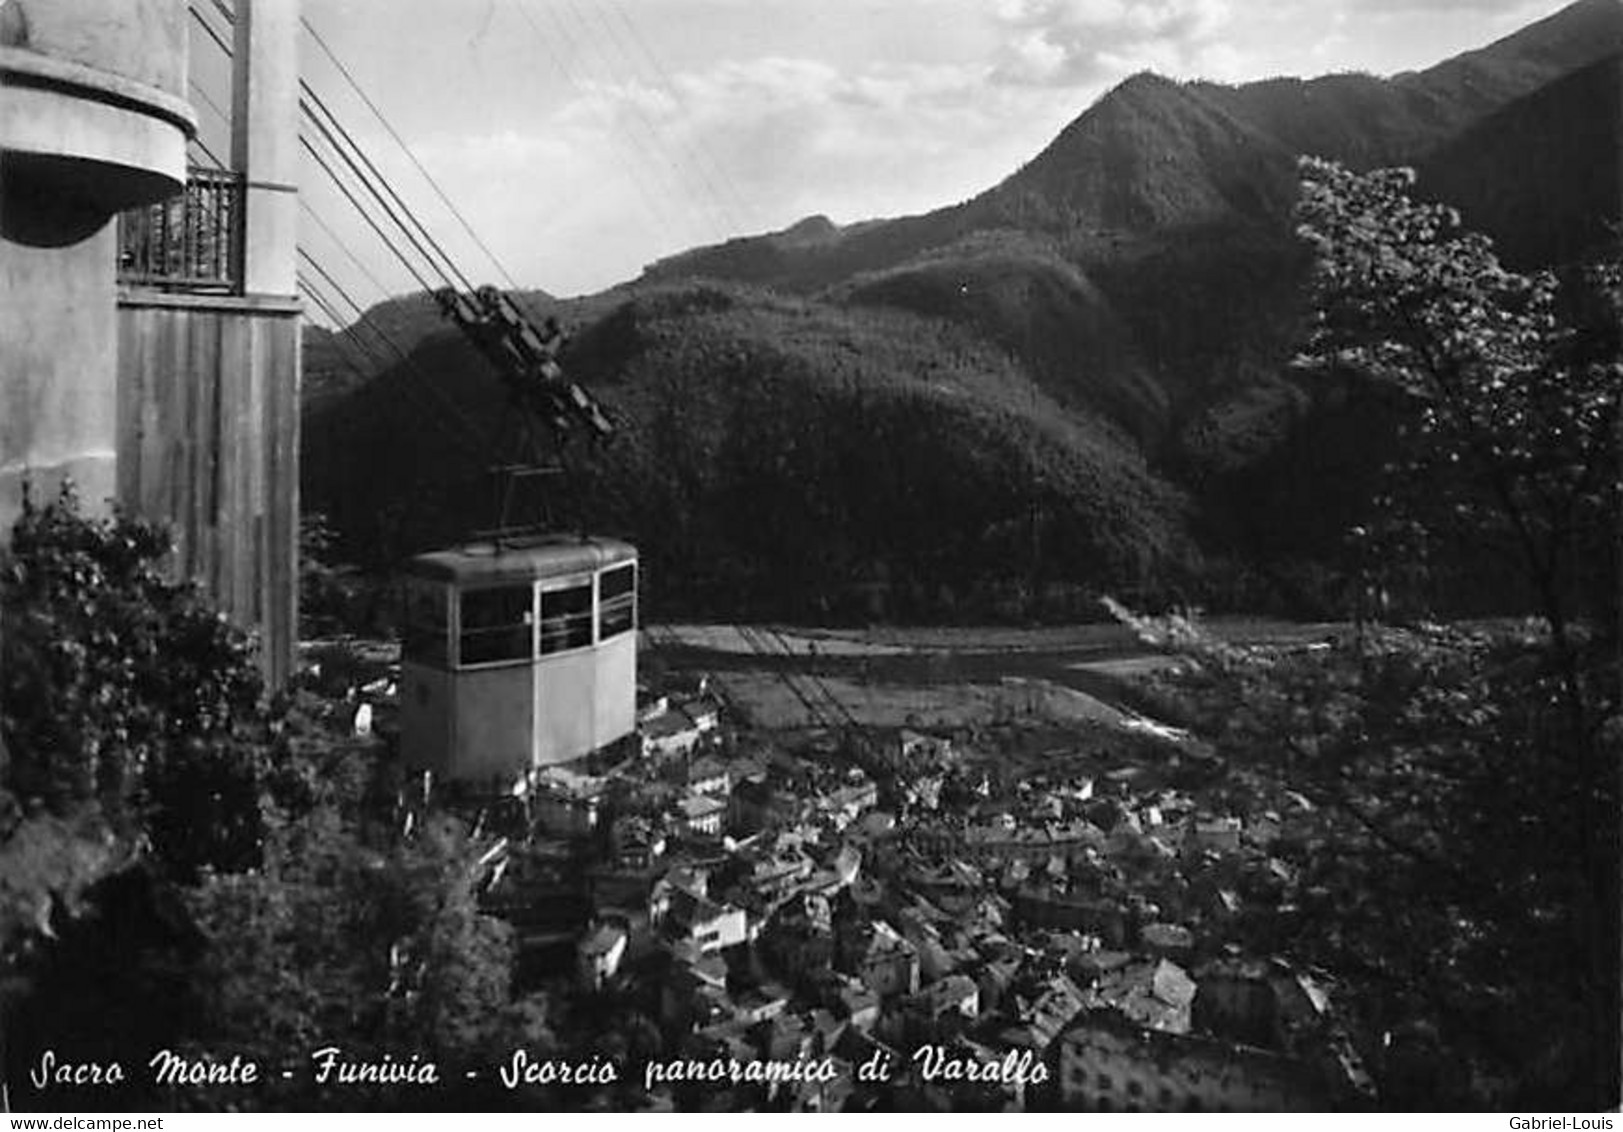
{"x":864,"y":902}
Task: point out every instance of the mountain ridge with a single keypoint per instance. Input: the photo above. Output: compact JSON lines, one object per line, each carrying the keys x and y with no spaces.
{"x":1361,"y":120}
{"x":1137,"y":283}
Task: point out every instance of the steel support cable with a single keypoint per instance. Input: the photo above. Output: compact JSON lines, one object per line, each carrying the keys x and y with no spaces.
{"x":331,"y":311}
{"x":311,"y":98}
{"x":207,"y":152}
{"x":360,"y":175}
{"x":349,"y":254}
{"x":208,"y":27}
{"x":360,"y":314}
{"x":378,"y":114}
{"x":701,"y":163}
{"x":757,"y":645}
{"x":669,"y":83}
{"x":350,"y":343}
{"x":672,"y":187}
{"x":820,"y":689}
{"x":380,"y":179}
{"x":475,"y":439}
{"x":198,"y":139}
{"x":650,"y":129}
{"x":372,"y":188}
{"x":651,"y":201}
{"x":655,"y":136}
{"x":818,"y":684}
{"x":365,"y":215}
{"x":208,"y":101}
{"x":361,"y":209}
{"x":347,"y":347}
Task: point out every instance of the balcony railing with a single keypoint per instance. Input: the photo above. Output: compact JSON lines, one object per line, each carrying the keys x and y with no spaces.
{"x":190,"y":242}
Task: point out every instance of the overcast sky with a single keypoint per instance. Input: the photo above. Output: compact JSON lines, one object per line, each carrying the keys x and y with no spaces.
{"x":583,"y":139}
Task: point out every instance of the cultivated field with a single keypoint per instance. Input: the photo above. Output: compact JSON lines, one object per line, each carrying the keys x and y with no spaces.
{"x":785,"y":677}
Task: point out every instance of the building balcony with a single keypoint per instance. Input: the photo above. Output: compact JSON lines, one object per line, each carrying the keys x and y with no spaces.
{"x":191,"y":242}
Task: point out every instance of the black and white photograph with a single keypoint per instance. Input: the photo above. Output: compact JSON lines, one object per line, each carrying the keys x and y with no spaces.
{"x":839,"y":556}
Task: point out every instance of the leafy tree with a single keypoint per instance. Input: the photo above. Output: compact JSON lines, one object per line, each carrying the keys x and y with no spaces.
{"x":126,"y":708}
{"x":329,"y":591}
{"x":1510,"y":384}
{"x":378,"y":950}
{"x":1462,"y":876}
{"x":1444,"y":881}
{"x":109,"y":664}
{"x":242,"y":888}
{"x":1514,"y":387}
{"x":129,"y":718}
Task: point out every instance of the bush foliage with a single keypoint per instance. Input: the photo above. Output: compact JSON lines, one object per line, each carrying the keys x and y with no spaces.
{"x":186,"y":865}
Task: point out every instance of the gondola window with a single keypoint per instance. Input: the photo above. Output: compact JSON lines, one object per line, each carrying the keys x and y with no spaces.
{"x":566,"y":618}
{"x":617,"y":601}
{"x":497,"y":625}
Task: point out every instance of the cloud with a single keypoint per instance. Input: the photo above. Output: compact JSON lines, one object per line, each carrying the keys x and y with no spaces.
{"x":588,"y":191}
{"x":1072,"y":43}
{"x":1438,"y":7}
{"x":777,"y":137}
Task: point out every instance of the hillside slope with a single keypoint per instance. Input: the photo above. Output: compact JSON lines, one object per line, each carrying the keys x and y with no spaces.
{"x":784,"y":457}
{"x":1065,"y":379}
{"x":1544,"y":175}
{"x":1153,"y":154}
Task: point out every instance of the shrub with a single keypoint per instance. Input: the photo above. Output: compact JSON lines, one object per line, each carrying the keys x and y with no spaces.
{"x":123,"y":694}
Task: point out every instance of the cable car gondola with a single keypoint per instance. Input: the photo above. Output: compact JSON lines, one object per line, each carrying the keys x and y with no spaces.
{"x":517,"y":656}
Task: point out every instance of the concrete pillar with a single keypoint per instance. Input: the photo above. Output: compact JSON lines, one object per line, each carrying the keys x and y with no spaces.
{"x":265,"y":140}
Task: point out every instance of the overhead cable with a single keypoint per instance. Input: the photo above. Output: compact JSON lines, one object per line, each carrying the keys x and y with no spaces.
{"x":433,"y":184}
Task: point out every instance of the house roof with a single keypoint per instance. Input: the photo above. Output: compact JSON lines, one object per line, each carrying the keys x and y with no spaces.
{"x":694,"y":806}
{"x":950,"y":990}
{"x":706,"y":767}
{"x":666,"y":724}
{"x":603,"y":940}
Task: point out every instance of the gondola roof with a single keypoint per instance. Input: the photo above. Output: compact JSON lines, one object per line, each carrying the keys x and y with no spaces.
{"x":542,"y":557}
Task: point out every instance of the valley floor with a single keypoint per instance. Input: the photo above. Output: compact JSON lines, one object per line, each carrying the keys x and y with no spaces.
{"x":941,"y":676}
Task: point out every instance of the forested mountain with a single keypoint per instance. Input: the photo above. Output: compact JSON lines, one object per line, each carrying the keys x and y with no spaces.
{"x":780,"y":455}
{"x":1078,"y":380}
{"x":1544,"y":175}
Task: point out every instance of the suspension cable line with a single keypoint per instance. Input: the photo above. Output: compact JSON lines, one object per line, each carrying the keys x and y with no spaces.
{"x":475,"y":438}
{"x":372,"y":106}
{"x":654,"y":202}
{"x":365,"y":215}
{"x":671,"y":188}
{"x":349,"y":254}
{"x":346,"y":346}
{"x":379,"y":180}
{"x":657,"y":136}
{"x":729,"y":200}
{"x":310,"y":102}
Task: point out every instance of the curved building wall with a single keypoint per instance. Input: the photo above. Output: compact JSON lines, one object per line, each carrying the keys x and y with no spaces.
{"x":92,"y":121}
{"x":140,"y":40}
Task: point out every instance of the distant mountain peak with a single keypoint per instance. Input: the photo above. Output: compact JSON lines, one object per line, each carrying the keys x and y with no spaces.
{"x":1143,"y":81}
{"x":1154,"y":158}
{"x":1151,"y":153}
{"x":1543,"y":175}
{"x":812,"y":226}
{"x":1516,"y":64}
